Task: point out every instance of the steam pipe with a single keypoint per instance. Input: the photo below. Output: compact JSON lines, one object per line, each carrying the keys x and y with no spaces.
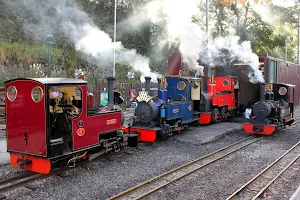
{"x":110,"y":82}
{"x":147,"y":84}
{"x":262,"y":92}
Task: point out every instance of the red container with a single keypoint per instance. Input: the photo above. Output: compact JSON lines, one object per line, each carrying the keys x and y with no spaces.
{"x":281,"y":71}
{"x":174,"y":64}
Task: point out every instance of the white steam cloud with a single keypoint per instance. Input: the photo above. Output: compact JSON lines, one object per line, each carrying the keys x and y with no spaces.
{"x":234,"y":52}
{"x":64,"y":18}
{"x":180,"y":29}
{"x":192,"y":40}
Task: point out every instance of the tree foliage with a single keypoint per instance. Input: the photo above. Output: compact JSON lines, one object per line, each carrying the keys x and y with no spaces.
{"x":245,"y":21}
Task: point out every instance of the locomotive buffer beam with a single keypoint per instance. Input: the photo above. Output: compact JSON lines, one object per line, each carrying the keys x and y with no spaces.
{"x":258,"y":128}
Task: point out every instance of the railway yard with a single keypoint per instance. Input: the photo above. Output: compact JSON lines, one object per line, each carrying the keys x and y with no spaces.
{"x":227,"y":164}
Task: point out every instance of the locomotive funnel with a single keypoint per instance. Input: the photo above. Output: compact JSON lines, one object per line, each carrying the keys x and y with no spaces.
{"x":147,"y":84}
{"x":110,"y":82}
{"x":262,"y":92}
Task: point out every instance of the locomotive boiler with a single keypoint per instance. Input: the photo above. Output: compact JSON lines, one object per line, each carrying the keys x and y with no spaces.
{"x":274,"y":110}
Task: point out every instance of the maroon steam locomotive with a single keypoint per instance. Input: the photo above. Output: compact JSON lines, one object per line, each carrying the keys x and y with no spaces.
{"x":51,"y":122}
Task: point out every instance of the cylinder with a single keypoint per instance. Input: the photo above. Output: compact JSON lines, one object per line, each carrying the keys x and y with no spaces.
{"x":110,"y":82}
{"x":262,"y":92}
{"x":147,"y":84}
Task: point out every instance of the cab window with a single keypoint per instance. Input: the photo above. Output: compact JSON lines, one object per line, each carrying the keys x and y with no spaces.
{"x":65,"y":99}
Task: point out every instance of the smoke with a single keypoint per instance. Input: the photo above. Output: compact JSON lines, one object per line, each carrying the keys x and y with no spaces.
{"x":180,"y":29}
{"x":230,"y":48}
{"x":265,"y":13}
{"x":192,"y":41}
{"x":64,"y":18}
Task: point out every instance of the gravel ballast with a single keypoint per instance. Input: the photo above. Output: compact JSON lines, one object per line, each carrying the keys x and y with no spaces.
{"x":115,"y":173}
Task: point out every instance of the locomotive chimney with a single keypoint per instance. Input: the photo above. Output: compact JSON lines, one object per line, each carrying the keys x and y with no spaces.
{"x":262,"y":92}
{"x":110,"y":82}
{"x":147,"y":84}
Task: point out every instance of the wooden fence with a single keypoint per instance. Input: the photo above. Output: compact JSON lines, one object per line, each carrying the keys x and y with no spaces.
{"x":124,"y":88}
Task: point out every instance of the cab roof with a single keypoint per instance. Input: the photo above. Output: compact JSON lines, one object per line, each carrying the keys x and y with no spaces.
{"x":51,"y":81}
{"x":185,"y":77}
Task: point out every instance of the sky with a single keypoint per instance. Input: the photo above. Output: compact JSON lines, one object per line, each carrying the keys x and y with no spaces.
{"x":285,"y":3}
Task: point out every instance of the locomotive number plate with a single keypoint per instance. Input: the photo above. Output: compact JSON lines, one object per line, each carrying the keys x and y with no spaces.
{"x":111,"y":121}
{"x":175,"y":110}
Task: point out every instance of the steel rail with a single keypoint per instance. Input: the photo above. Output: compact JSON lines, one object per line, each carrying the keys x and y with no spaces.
{"x":18,"y":177}
{"x":256,"y":178}
{"x":12,"y":183}
{"x":183,"y":169}
{"x":272,"y":181}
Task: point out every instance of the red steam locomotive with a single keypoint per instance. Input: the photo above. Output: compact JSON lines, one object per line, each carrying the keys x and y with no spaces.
{"x":220,"y":100}
{"x":52,"y":122}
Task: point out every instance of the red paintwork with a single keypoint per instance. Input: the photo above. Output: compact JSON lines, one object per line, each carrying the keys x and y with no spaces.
{"x":26,"y":116}
{"x":220,"y":94}
{"x":39,"y":165}
{"x":205,"y":118}
{"x":90,"y":100}
{"x":94,"y":125}
{"x":145,"y":135}
{"x":174,"y":64}
{"x":268,"y":129}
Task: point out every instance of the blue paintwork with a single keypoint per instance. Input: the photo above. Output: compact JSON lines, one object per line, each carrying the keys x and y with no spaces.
{"x":163,"y":95}
{"x":179,"y":110}
{"x":158,"y":103}
{"x":173,"y":92}
{"x":162,"y":112}
{"x":178,"y":100}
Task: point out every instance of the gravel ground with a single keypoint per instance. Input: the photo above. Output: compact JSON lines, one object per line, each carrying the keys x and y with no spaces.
{"x":115,"y":173}
{"x":239,"y":168}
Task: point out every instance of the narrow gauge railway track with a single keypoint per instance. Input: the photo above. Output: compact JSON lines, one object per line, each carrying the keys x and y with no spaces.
{"x":144,"y":189}
{"x":254,"y":188}
{"x":28,"y":177}
{"x":20,"y":180}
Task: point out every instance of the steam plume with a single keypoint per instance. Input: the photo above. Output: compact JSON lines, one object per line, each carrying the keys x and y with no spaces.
{"x":180,"y":29}
{"x":234,"y":52}
{"x":64,"y":18}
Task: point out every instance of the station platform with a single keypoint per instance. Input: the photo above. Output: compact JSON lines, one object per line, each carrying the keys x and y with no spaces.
{"x":208,"y":133}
